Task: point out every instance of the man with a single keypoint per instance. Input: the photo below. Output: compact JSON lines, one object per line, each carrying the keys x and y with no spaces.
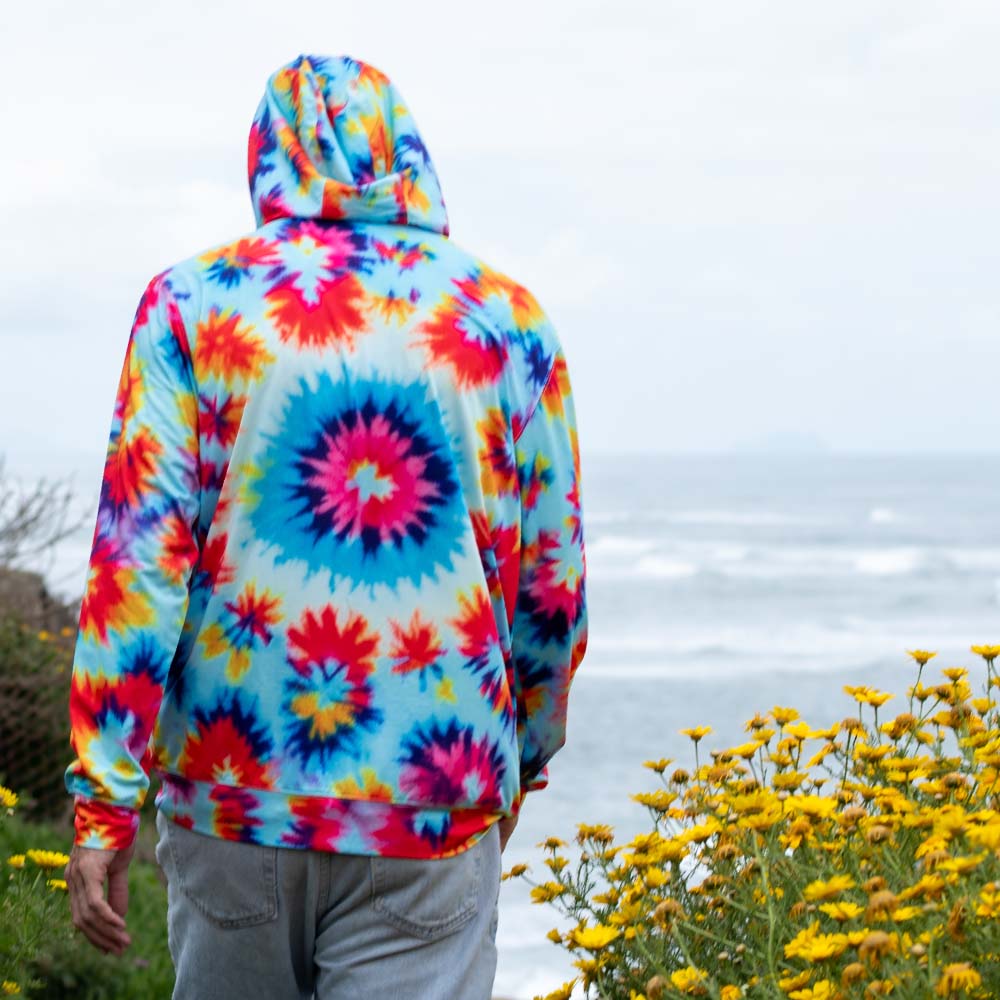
{"x":336,"y":595}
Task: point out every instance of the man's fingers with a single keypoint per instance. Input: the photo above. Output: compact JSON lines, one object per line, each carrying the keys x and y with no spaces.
{"x":118,"y":892}
{"x":97,"y":908}
{"x":107,"y":939}
{"x":100,"y":932}
{"x":99,"y":937}
{"x":92,"y":914}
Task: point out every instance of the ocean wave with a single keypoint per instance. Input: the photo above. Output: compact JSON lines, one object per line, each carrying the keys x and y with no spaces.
{"x":709,"y":517}
{"x":621,"y":557}
{"x":758,"y":649}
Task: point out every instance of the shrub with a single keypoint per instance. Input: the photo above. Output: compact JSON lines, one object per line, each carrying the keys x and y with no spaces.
{"x":857,"y":861}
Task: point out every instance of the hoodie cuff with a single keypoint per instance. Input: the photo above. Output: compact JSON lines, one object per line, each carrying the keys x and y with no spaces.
{"x":533,"y":784}
{"x":104,"y":826}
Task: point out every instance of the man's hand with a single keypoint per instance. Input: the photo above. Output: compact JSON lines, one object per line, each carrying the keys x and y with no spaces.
{"x":101,"y":920}
{"x":506,"y":829}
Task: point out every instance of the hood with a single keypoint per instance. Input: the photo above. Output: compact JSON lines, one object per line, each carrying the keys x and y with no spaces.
{"x":333,"y":139}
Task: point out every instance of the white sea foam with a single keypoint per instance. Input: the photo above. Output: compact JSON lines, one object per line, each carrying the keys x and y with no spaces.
{"x":619,"y":545}
{"x":888,"y":562}
{"x":882,"y":515}
{"x":663,"y":568}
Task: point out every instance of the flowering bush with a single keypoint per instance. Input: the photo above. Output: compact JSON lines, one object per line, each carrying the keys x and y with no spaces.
{"x":41,"y":958}
{"x":28,"y":907}
{"x":856,"y":861}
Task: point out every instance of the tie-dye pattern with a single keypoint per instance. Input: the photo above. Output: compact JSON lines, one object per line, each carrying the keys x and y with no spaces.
{"x":336,"y":593}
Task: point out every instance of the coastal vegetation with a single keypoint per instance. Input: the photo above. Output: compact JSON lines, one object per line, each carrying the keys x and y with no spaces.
{"x":854,"y":861}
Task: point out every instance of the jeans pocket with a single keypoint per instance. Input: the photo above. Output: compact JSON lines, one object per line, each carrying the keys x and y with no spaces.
{"x":233,"y":884}
{"x":428,"y":899}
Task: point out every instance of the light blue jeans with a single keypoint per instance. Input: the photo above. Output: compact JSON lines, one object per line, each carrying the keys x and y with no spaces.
{"x":265,"y":923}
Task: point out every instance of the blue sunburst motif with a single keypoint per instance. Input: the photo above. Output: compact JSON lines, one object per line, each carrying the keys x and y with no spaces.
{"x":359,"y":481}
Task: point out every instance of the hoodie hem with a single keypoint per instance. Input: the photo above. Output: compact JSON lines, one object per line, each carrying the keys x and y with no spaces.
{"x":277,"y":818}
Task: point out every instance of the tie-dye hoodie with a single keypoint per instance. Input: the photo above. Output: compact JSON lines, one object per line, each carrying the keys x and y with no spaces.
{"x":336,"y":593}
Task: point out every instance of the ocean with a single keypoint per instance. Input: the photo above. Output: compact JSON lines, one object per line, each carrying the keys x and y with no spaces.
{"x":720,"y":586}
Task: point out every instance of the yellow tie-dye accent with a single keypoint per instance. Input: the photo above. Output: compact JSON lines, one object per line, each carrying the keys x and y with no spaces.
{"x":446,"y":691}
{"x":239,"y":663}
{"x":370,"y":787}
{"x":213,"y":639}
{"x":326,"y":720}
{"x":413,"y":195}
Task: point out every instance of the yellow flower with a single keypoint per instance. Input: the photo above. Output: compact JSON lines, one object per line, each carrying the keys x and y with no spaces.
{"x":842,"y":911}
{"x":516,"y":872}
{"x":10,"y":988}
{"x":865,"y":695}
{"x":552,"y":843}
{"x":730,"y":993}
{"x":958,"y":976}
{"x":701,"y":832}
{"x":921,"y":655}
{"x":961,"y":866}
{"x":546,"y":892}
{"x":16,"y":861}
{"x":659,"y":766}
{"x":789,"y":780}
{"x":660,"y":800}
{"x":989,"y":905}
{"x":824,"y":946}
{"x":56,"y":883}
{"x":789,"y":983}
{"x":595,"y":938}
{"x":988,"y":653}
{"x":688,"y":979}
{"x":760,"y":821}
{"x":48,"y":859}
{"x":800,"y":731}
{"x":697,"y":733}
{"x":812,"y":805}
{"x":782,"y":716}
{"x":600,"y":832}
{"x":823,"y":990}
{"x":955,"y":674}
{"x":8,"y":799}
{"x":563,"y":993}
{"x":827,"y":890}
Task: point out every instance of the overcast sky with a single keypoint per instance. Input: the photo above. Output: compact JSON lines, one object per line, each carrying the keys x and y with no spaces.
{"x":748,"y":220}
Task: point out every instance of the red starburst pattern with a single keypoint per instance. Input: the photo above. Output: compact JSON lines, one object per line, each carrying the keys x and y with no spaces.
{"x":319,"y":640}
{"x":450,"y":339}
{"x":110,"y":603}
{"x":131,"y":469}
{"x":227,"y":348}
{"x":335,"y":315}
{"x":178,"y":549}
{"x":415,"y":647}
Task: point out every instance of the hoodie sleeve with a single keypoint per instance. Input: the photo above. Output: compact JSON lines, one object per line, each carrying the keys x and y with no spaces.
{"x":143,"y":553}
{"x":549,"y":633}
